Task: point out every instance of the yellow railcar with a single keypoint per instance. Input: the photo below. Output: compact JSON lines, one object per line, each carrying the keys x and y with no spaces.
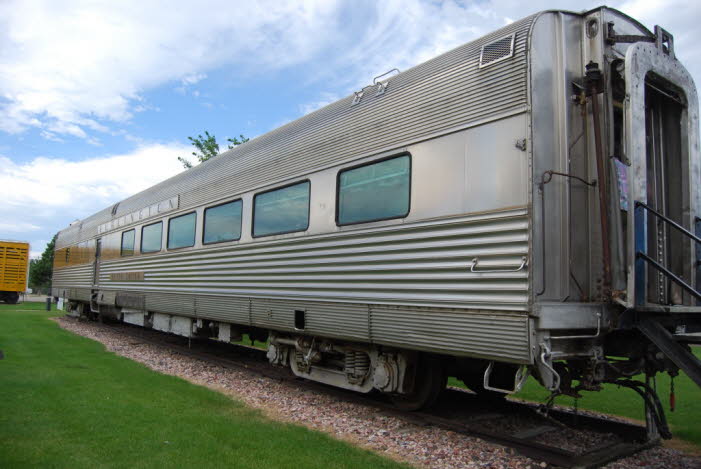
{"x":14,"y":263}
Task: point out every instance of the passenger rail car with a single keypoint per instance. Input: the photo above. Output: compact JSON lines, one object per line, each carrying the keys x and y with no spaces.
{"x":525,"y":203}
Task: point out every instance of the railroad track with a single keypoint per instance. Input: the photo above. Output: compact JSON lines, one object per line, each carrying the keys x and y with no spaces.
{"x":516,"y":425}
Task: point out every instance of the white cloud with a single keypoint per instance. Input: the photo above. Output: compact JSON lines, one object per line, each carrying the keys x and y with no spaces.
{"x":77,"y":67}
{"x":74,"y":66}
{"x":325,"y":98}
{"x":194,"y":78}
{"x":403,"y":33}
{"x":52,"y":183}
{"x":33,"y":254}
{"x":46,"y":194}
{"x":18,"y":227}
{"x":680,"y":18}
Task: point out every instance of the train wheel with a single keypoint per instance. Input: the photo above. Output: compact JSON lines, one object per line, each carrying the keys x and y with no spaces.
{"x":429,"y":383}
{"x":12,"y":298}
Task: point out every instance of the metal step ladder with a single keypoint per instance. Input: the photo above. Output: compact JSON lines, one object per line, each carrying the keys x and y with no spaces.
{"x":655,"y":328}
{"x":680,"y":355}
{"x":642,"y":258}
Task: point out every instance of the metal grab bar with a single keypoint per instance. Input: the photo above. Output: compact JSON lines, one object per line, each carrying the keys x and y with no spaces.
{"x":668,"y":220}
{"x":475,"y":261}
{"x":520,"y":378}
{"x":374,"y":80}
{"x":546,"y":355}
{"x":669,"y":274}
{"x":641,"y":256}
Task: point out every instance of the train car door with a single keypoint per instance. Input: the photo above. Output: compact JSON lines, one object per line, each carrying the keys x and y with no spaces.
{"x":665,"y":190}
{"x":662,"y":143}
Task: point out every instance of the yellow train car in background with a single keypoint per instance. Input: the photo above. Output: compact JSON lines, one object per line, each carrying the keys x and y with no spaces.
{"x":14,"y":266}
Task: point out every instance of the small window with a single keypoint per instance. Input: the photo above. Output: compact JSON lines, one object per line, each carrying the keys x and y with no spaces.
{"x":128,"y":243}
{"x":375,"y":191}
{"x":222,"y":222}
{"x":283,"y":210}
{"x":181,"y":231}
{"x":151,"y":236}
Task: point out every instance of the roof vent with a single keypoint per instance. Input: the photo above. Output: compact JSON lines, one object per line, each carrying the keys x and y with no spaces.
{"x":498,"y":50}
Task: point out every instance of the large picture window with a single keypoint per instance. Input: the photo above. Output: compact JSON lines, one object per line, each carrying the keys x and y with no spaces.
{"x":283,"y":210}
{"x":181,"y":231}
{"x":128,"y":243}
{"x":375,"y":191}
{"x":222,"y":222}
{"x":151,"y":236}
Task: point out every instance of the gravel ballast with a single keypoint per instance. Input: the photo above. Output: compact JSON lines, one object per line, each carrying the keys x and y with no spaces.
{"x":360,"y":424}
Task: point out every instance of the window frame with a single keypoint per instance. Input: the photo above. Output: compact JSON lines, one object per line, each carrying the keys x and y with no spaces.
{"x":369,"y":163}
{"x":141,"y":242}
{"x":121,"y":244}
{"x":253,"y":209}
{"x":194,"y":235}
{"x":204,"y":222}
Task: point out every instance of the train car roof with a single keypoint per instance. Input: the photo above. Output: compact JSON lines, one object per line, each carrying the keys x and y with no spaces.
{"x":429,"y":99}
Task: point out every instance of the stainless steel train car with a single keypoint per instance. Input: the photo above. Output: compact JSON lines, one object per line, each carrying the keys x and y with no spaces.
{"x":527,"y":203}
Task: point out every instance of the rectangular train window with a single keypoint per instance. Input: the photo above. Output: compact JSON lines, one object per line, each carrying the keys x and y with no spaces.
{"x":181,"y":231}
{"x":151,"y":237}
{"x":222,"y":222}
{"x":128,"y":243}
{"x":374,"y":191}
{"x":283,"y":210}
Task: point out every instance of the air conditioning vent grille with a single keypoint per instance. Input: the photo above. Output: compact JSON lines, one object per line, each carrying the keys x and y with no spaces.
{"x":498,"y":50}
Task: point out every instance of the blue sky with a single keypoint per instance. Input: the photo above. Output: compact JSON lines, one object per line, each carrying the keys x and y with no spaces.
{"x":97,"y":98}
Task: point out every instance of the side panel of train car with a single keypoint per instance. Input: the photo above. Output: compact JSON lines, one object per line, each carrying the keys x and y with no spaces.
{"x":476,"y":215}
{"x":14,"y":265}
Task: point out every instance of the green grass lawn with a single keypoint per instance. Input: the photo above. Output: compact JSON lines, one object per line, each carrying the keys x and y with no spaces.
{"x":31,"y":306}
{"x":685,"y":421}
{"x":66,"y":402}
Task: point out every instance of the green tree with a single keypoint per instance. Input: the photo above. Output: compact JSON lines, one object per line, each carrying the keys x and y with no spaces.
{"x":207,"y":147}
{"x":40,"y":270}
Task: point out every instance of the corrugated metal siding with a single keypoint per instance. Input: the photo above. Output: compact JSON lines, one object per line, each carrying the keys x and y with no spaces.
{"x":437,"y":96}
{"x":478,"y":333}
{"x":424,"y":264}
{"x":83,"y":294}
{"x":493,"y":335}
{"x":403,"y":285}
{"x":339,"y":320}
{"x":73,"y":277}
{"x":223,"y":308}
{"x":346,"y":320}
{"x":80,"y":294}
{"x":183,"y":305}
{"x":271,"y":314}
{"x":106,"y":297}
